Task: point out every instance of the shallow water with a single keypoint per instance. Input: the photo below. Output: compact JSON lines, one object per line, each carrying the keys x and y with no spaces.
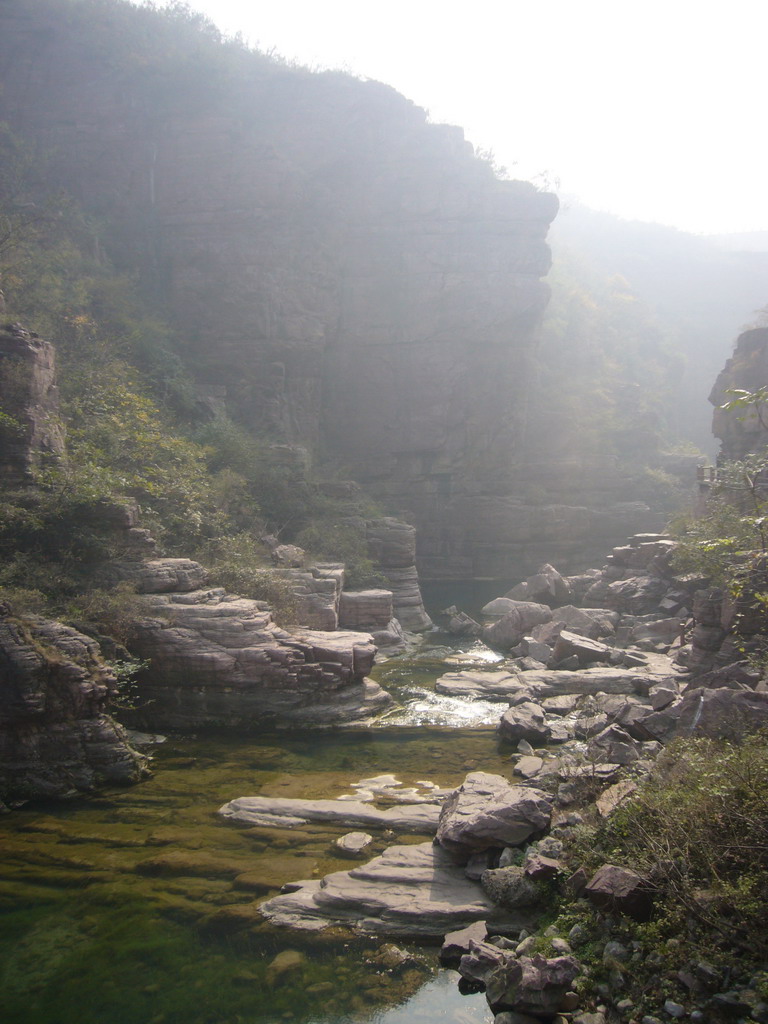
{"x":139,"y":905}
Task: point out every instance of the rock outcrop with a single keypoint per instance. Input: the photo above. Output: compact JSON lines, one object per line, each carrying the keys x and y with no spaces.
{"x":346,"y":276}
{"x":56,"y":738}
{"x":740,"y":431}
{"x":216,"y":659}
{"x":30,"y":429}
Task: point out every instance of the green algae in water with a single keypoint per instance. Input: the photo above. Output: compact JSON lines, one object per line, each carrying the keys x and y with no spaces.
{"x":139,"y":906}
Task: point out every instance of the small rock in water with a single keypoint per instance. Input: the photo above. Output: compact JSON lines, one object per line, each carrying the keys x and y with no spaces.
{"x":353,"y":843}
{"x":524,"y":747}
{"x":674,"y":1009}
{"x":286,"y":961}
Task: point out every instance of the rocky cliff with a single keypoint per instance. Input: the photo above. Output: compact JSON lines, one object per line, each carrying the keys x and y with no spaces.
{"x":30,"y":429}
{"x":347,"y":275}
{"x":56,"y":738}
{"x":742,"y":431}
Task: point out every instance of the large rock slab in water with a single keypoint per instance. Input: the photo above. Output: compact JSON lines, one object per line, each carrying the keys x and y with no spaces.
{"x":287,"y":813}
{"x":553,"y":683}
{"x":221,"y":660}
{"x":497,"y":685}
{"x":408,"y":891}
{"x":486,"y":812}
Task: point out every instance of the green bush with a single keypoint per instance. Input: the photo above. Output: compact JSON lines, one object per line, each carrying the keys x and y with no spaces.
{"x":238,"y":563}
{"x":699,"y":829}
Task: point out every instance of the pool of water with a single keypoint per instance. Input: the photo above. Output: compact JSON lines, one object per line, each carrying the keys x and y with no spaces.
{"x":138,"y":906}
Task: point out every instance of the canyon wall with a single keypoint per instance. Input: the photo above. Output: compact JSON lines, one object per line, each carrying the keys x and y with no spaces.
{"x":349,"y":277}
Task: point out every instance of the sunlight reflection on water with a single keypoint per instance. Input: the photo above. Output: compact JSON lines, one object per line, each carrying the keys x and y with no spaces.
{"x":425,"y":707}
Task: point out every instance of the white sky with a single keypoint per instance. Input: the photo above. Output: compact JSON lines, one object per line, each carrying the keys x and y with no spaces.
{"x":650,"y":109}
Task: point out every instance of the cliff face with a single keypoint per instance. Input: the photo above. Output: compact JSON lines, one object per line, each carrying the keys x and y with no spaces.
{"x":31,"y":429}
{"x":741,"y":431}
{"x":55,"y":736}
{"x":352,"y":277}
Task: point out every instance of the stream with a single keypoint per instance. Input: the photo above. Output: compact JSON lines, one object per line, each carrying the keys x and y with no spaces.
{"x":137,"y":906}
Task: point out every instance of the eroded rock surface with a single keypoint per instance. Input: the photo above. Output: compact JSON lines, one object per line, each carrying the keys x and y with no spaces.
{"x":56,"y":737}
{"x":408,"y":891}
{"x":221,"y":660}
{"x":487,"y":812}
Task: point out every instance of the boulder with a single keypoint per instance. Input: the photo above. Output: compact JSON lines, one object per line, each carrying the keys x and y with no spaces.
{"x":486,"y":812}
{"x":531,"y":985}
{"x":587,"y":651}
{"x":516,"y":623}
{"x":525,"y":721}
{"x":720,"y":714}
{"x":457,"y":944}
{"x":613,"y":746}
{"x":620,"y":890}
{"x":510,"y":887}
{"x":353,"y":843}
{"x":461,"y":624}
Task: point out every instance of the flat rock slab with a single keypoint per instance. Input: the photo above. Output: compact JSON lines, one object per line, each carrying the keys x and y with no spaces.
{"x":287,"y":813}
{"x":407,"y":891}
{"x":496,"y":685}
{"x":553,"y":682}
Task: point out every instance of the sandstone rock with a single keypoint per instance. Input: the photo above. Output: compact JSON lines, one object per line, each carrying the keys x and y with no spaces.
{"x":511,"y":887}
{"x":28,"y":394}
{"x":392,"y":637}
{"x":719,"y":714}
{"x":55,"y":735}
{"x":217,"y":659}
{"x":620,"y":890}
{"x":613,"y":746}
{"x":461,"y":624}
{"x":155,"y":576}
{"x":614,"y":796}
{"x":534,"y":986}
{"x":553,"y":683}
{"x":288,"y":813}
{"x":562,"y":705}
{"x":516,"y":623}
{"x":482,"y":684}
{"x":365,"y":610}
{"x":530,"y":648}
{"x":485,"y":811}
{"x":407,"y":891}
{"x":540,"y":867}
{"x":528,"y":766}
{"x":586,"y":650}
{"x":289,"y":556}
{"x":456,"y":944}
{"x":526,"y":721}
{"x":316,"y":593}
{"x":353,"y":843}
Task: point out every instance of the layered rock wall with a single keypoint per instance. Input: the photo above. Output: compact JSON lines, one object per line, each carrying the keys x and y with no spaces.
{"x":30,"y":429}
{"x":351,"y":278}
{"x":55,"y":736}
{"x":742,"y":431}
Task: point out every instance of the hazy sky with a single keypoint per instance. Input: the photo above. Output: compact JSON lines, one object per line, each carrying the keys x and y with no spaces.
{"x":651,"y":109}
